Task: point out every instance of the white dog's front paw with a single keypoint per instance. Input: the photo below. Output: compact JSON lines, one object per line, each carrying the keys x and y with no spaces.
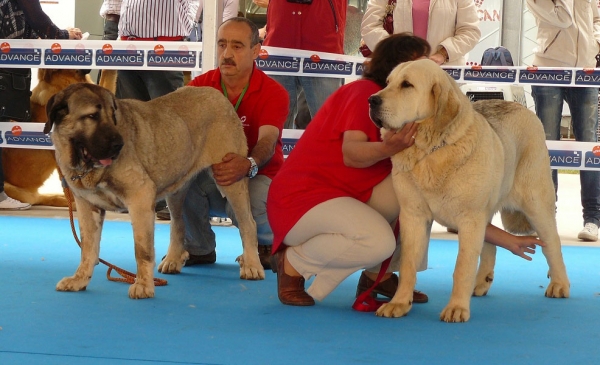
{"x":250,"y":269}
{"x":139,"y":291}
{"x":393,"y":310}
{"x":72,"y":283}
{"x":455,"y":314}
{"x":557,"y":289}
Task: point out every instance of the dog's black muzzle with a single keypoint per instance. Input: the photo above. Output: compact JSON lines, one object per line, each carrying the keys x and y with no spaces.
{"x":375,"y":102}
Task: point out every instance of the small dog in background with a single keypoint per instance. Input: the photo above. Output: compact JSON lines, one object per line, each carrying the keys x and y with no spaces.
{"x":26,"y":170}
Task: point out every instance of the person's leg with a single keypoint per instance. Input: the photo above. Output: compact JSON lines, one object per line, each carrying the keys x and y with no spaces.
{"x":303,"y":117}
{"x":335,"y":239}
{"x":583,"y":103}
{"x":2,"y":194}
{"x":258,"y":188}
{"x":159,"y":83}
{"x":202,"y":199}
{"x":317,"y":90}
{"x":131,"y":86}
{"x":292,"y":86}
{"x":548,"y":107}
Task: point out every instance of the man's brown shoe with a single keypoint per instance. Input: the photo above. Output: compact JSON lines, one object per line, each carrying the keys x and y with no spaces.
{"x":290,"y":289}
{"x":387,"y":288}
{"x":264,"y":254}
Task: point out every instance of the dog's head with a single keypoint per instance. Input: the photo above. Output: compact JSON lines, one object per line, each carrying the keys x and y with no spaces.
{"x":84,"y":117}
{"x":61,"y":78}
{"x":416,"y":91}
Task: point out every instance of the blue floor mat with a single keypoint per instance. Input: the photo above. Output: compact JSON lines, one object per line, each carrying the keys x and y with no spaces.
{"x":207,"y":315}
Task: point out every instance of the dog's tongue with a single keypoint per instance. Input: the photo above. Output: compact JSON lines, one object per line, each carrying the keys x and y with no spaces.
{"x":106,"y":161}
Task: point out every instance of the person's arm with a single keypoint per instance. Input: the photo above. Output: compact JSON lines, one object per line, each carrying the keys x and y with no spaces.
{"x":360,"y":153}
{"x":371,"y":28}
{"x":41,"y":23}
{"x":235,"y":167}
{"x":466,"y":34}
{"x":558,"y":13}
{"x":518,"y":245}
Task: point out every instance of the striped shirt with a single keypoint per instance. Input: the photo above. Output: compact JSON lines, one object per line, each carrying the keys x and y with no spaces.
{"x":157,"y":18}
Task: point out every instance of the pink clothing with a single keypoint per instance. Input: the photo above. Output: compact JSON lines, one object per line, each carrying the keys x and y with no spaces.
{"x":315,"y":171}
{"x":313,"y":27}
{"x":264,"y":103}
{"x":420,"y":14}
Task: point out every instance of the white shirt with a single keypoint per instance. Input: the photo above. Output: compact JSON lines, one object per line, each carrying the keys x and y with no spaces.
{"x":157,"y":18}
{"x":230,"y":9}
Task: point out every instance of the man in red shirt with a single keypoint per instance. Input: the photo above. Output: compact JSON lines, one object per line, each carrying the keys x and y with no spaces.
{"x":262,"y":105}
{"x":316,"y":25}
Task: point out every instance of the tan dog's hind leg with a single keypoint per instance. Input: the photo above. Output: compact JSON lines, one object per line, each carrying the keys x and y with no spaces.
{"x":485,"y":273}
{"x":545,"y":226}
{"x":142,"y":220}
{"x":91,"y":220}
{"x":470,"y":243}
{"x":239,"y":198}
{"x":176,"y":253}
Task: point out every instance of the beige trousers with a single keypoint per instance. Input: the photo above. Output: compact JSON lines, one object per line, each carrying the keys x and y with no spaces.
{"x":338,"y":237}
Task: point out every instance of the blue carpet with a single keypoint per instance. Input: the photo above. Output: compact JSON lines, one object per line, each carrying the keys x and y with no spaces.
{"x":207,"y":315}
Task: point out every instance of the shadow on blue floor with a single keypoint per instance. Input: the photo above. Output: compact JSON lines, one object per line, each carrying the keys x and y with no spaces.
{"x":207,"y":315}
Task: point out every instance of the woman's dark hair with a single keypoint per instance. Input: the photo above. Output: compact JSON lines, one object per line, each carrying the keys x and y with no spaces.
{"x":392,"y":51}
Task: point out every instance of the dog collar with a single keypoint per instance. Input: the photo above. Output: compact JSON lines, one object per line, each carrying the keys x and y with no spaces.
{"x":435,"y":148}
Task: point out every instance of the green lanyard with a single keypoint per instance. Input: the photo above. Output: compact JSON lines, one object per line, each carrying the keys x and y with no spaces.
{"x":241,"y":95}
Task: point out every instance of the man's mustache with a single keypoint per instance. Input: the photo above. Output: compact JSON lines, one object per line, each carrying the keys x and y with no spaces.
{"x":228,"y":62}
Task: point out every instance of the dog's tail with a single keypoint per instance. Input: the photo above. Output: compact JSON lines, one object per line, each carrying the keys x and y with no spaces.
{"x":516,"y":222}
{"x":108,"y":80}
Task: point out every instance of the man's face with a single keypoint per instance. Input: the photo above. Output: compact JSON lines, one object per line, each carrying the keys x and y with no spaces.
{"x":236,"y":56}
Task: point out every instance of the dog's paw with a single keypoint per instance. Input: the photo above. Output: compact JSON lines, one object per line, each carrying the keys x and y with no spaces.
{"x":250,"y":272}
{"x":455,"y":314}
{"x":393,"y":310}
{"x":557,"y":290}
{"x":72,"y":283}
{"x":170,"y":266}
{"x":139,"y":291}
{"x":482,"y":289}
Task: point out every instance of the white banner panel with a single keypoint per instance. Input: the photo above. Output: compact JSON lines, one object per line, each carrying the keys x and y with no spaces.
{"x":569,"y":155}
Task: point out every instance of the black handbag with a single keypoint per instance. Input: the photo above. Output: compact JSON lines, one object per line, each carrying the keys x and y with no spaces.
{"x":15,"y":91}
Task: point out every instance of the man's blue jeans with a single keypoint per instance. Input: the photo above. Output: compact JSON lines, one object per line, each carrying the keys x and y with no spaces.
{"x":583,"y":103}
{"x":204,"y":200}
{"x":316,"y":91}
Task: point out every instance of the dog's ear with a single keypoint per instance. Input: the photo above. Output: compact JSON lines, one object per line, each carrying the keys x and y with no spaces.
{"x":45,"y":74}
{"x":56,"y":110}
{"x":113,"y":99}
{"x":446,"y":101}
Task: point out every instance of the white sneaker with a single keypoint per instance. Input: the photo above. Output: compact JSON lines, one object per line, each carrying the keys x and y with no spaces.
{"x":13,"y":204}
{"x":589,"y":233}
{"x":218,"y":221}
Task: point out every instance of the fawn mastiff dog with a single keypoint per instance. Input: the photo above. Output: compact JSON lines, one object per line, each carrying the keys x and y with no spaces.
{"x":127,"y":154}
{"x":467,"y":163}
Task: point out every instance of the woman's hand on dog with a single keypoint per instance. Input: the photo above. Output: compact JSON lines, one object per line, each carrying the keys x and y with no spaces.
{"x":396,"y":141}
{"x":359,"y":152}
